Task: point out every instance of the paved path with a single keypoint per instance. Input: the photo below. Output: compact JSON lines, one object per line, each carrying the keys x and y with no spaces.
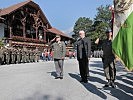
{"x":36,"y":82}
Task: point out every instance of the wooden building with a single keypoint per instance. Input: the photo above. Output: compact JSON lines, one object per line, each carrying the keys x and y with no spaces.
{"x":25,"y":25}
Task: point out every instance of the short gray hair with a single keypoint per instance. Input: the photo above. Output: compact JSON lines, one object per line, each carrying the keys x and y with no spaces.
{"x":82,"y":31}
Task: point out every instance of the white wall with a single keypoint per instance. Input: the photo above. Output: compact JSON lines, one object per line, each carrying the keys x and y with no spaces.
{"x":1,"y":30}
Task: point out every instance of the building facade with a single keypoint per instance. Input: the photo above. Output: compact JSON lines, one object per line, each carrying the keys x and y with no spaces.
{"x":25,"y":25}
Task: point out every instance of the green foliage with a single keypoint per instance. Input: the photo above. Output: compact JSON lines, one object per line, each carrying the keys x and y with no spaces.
{"x":82,"y":23}
{"x":1,"y":43}
{"x":102,"y":21}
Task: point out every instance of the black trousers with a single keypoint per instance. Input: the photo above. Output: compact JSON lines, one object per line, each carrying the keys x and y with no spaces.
{"x":83,"y":68}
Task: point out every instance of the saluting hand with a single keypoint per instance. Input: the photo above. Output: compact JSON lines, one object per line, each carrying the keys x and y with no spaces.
{"x":53,"y":39}
{"x":97,"y":41}
{"x":63,"y":57}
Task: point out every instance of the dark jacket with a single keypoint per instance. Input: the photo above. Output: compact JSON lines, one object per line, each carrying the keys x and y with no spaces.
{"x":83,"y":48}
{"x":108,"y":55}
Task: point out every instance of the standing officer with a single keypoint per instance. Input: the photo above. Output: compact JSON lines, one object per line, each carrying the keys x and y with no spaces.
{"x":108,"y":59}
{"x":83,"y":55}
{"x":7,"y":56}
{"x":1,"y":52}
{"x":59,"y":49}
{"x":23,"y":55}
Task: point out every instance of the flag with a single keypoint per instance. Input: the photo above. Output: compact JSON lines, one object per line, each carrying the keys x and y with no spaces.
{"x":123,"y":31}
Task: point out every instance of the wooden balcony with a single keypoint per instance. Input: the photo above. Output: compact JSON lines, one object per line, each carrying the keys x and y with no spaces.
{"x":28,"y":40}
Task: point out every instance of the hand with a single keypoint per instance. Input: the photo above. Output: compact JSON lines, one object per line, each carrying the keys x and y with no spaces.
{"x":117,"y":59}
{"x":53,"y":39}
{"x":63,"y":57}
{"x":97,"y":41}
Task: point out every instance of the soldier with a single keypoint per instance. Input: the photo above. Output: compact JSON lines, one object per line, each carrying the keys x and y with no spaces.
{"x":59,"y":49}
{"x":30,"y":56}
{"x":37,"y":55}
{"x":20,"y":52}
{"x":1,"y":55}
{"x":23,"y":56}
{"x":33,"y":55}
{"x":108,"y":59}
{"x":12,"y":56}
{"x":27,"y":56}
{"x":18,"y":55}
{"x":15,"y":55}
{"x":7,"y":52}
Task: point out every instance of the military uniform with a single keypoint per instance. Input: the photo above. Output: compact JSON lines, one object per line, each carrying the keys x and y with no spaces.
{"x":108,"y":60}
{"x":37,"y":55}
{"x":18,"y":55}
{"x":13,"y":56}
{"x":23,"y":56}
{"x":1,"y":56}
{"x":7,"y":53}
{"x":59,"y":50}
{"x":27,"y":56}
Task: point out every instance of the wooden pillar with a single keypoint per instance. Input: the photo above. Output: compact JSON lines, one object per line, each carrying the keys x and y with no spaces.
{"x":24,"y":35}
{"x":23,"y":21}
{"x":44,"y":34}
{"x":36,"y":33}
{"x":10,"y":32}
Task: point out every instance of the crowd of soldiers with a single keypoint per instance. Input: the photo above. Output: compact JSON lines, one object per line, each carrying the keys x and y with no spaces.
{"x":17,"y":55}
{"x":98,"y":53}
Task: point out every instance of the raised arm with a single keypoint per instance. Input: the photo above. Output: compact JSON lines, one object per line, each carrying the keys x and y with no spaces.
{"x":97,"y":41}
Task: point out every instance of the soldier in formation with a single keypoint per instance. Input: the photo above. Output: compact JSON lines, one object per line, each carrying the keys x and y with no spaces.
{"x":9,"y":55}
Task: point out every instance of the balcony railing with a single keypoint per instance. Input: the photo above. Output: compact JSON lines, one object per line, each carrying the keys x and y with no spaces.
{"x":30,"y":40}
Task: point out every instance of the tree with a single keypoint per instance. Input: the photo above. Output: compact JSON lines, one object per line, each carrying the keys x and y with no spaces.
{"x":1,"y":43}
{"x":102,"y":21}
{"x":94,"y":28}
{"x":82,"y":23}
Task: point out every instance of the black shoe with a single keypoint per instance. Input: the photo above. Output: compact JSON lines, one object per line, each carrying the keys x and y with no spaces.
{"x":85,"y":81}
{"x":108,"y":84}
{"x":61,"y":77}
{"x":82,"y":81}
{"x":113,"y":85}
{"x":57,"y":77}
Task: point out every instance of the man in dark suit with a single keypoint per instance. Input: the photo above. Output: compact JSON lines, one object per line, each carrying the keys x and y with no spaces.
{"x":83,"y":55}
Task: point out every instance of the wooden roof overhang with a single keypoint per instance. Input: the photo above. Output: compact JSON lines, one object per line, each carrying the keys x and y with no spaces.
{"x":57,"y":32}
{"x":12,"y":9}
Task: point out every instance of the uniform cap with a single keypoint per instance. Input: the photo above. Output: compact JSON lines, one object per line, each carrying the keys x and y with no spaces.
{"x":57,"y":36}
{"x":108,"y":31}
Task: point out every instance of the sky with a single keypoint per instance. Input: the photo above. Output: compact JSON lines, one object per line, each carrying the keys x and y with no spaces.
{"x":62,"y":14}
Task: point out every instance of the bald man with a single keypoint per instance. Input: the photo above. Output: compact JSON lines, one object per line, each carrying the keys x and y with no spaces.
{"x":83,"y":55}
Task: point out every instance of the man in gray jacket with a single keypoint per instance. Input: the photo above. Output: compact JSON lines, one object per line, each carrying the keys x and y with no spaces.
{"x":59,"y":52}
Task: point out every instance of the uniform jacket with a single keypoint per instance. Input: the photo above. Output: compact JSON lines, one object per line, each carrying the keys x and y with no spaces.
{"x":83,"y":48}
{"x":108,"y":55}
{"x":59,"y":50}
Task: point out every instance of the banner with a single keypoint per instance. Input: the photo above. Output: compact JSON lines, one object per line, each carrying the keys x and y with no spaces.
{"x":123,"y":31}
